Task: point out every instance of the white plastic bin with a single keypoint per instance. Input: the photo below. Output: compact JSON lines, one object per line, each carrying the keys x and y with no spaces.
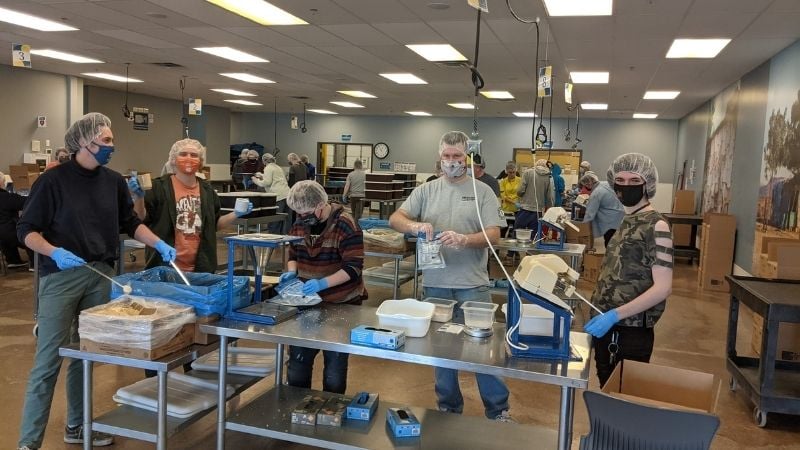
{"x":478,"y":314}
{"x":444,"y":308}
{"x":409,"y":315}
{"x":535,"y":321}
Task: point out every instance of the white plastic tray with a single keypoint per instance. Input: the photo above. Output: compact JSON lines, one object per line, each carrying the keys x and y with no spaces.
{"x":186,"y":395}
{"x":535,"y":320}
{"x":257,"y":362}
{"x":409,"y":315}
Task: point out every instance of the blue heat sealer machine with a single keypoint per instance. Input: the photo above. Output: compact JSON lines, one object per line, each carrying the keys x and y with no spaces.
{"x":550,"y":233}
{"x":260,"y":246}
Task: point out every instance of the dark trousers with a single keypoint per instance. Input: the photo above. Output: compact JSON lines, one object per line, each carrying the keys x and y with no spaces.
{"x":635,"y":343}
{"x":607,"y":236}
{"x":280,"y":227}
{"x":527,"y":219}
{"x":357,"y":205}
{"x":9,"y":245}
{"x":301,"y":366}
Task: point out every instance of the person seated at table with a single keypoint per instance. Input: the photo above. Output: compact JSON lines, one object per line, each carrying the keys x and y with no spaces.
{"x":329,"y":261}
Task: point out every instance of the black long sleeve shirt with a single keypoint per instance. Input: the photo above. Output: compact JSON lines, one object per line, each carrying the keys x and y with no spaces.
{"x":80,"y":210}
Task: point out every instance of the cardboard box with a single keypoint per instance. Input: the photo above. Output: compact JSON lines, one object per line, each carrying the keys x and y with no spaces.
{"x":716,"y":251}
{"x":788,"y":339}
{"x":332,"y":413}
{"x":305,"y":413}
{"x":788,"y":263}
{"x":663,"y":386}
{"x":202,"y":338}
{"x":684,"y":203}
{"x":585,"y":231}
{"x":591,"y":266}
{"x":181,"y":340}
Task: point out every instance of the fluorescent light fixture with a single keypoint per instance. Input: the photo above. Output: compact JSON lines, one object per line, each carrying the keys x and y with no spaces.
{"x":259,"y":11}
{"x":696,"y":48}
{"x":644,"y":116}
{"x":404,"y":78}
{"x":595,"y":106}
{"x":589,"y":77}
{"x":437,"y":52}
{"x":29,"y":21}
{"x":112,"y":77}
{"x":322,"y":111}
{"x":661,"y":95}
{"x":347,"y":104}
{"x":418,"y":113}
{"x":246,"y":77}
{"x":462,"y":105}
{"x":525,"y":114}
{"x":498,"y":95}
{"x":578,"y":7}
{"x":359,"y":94}
{"x":55,"y":54}
{"x":234,"y":92}
{"x":231,"y":54}
{"x":244,"y":102}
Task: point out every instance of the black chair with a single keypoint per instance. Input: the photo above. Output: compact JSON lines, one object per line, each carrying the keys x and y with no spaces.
{"x":622,"y":425}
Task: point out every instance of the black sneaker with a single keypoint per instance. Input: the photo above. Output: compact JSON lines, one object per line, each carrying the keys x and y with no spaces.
{"x":74,"y":435}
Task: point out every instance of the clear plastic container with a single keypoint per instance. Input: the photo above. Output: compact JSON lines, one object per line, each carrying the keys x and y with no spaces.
{"x":409,"y":315}
{"x":523,"y":234}
{"x":444,"y":308}
{"x":478,"y":314}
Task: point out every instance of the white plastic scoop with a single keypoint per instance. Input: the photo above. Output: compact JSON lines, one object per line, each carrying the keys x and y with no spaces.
{"x":126,"y":288}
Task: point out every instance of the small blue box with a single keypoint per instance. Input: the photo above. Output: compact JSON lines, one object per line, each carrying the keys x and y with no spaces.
{"x":403,"y":423}
{"x":363,"y":406}
{"x":377,"y":337}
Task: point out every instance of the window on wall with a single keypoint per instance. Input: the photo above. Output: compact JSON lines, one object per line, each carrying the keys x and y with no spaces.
{"x":336,"y":154}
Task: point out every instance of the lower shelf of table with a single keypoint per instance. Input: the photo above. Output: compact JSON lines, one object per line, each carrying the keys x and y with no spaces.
{"x":785,"y":395}
{"x":270,"y":416}
{"x":379,"y":281}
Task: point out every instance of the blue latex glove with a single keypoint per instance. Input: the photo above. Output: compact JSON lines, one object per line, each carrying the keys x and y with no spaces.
{"x":249,"y":210}
{"x":344,"y":199}
{"x":311,"y":287}
{"x":287,"y":276}
{"x":167,"y":253}
{"x":517,"y":205}
{"x":599,"y":325}
{"x":134,"y":187}
{"x":65,"y":259}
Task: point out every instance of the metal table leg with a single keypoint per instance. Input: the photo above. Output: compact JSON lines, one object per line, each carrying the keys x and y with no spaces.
{"x":396,"y":277}
{"x":279,"y":351}
{"x":161,"y":441}
{"x":87,"y":404}
{"x":221,"y":388}
{"x":565,"y":418}
{"x":416,"y":276}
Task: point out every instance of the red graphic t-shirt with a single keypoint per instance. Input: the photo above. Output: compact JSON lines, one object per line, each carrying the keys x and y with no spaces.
{"x":188,"y":223}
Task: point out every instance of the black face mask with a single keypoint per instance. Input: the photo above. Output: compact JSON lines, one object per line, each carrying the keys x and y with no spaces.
{"x":310,"y":219}
{"x":629,"y":195}
{"x":63,"y":159}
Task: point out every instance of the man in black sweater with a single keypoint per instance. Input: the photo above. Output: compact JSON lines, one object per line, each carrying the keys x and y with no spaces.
{"x":73,"y":218}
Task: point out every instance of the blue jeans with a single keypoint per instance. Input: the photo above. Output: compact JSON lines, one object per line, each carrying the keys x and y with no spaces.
{"x":527,"y":219}
{"x":62,"y":296}
{"x":301,"y":366}
{"x":494,"y":392}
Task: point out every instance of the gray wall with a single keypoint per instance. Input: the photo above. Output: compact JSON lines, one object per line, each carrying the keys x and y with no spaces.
{"x":25,"y":94}
{"x":692,"y":136}
{"x":415,"y":139}
{"x":146,"y":151}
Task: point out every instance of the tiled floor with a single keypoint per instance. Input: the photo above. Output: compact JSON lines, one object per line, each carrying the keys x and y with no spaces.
{"x":690,"y":335}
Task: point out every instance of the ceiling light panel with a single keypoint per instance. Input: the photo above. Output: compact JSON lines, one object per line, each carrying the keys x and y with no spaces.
{"x":644,"y":116}
{"x":498,"y":95}
{"x":661,"y":95}
{"x":404,"y":78}
{"x":29,"y":21}
{"x":437,"y":52}
{"x":55,"y":54}
{"x":696,"y":48}
{"x":234,"y":92}
{"x":246,"y":77}
{"x":259,"y":11}
{"x":322,"y":111}
{"x":579,"y":7}
{"x":594,"y":106}
{"x":589,"y":77}
{"x":462,"y":105}
{"x":231,"y":54}
{"x":359,"y":94}
{"x":347,"y":104}
{"x":111,"y":77}
{"x":525,"y":114}
{"x":418,"y":113}
{"x":244,"y":102}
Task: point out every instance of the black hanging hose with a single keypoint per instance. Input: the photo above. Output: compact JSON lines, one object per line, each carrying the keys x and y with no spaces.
{"x":477,"y":79}
{"x":275,"y":126}
{"x":184,"y":119}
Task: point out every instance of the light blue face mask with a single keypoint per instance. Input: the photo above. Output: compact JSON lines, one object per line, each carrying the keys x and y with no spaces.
{"x":103,"y":155}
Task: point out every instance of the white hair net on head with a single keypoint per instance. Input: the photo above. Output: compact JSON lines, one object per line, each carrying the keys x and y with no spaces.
{"x":586,"y":165}
{"x":252,"y":154}
{"x":453,"y":139}
{"x":589,"y":178}
{"x":293,"y":158}
{"x":183,"y":144}
{"x":243,"y":154}
{"x":267,"y":158}
{"x":639,"y":164}
{"x":305,"y":196}
{"x":85,"y":130}
{"x":2,"y":180}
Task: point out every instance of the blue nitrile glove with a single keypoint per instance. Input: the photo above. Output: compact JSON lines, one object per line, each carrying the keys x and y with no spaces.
{"x":517,"y":205}
{"x":167,"y":253}
{"x":134,"y":187}
{"x":311,"y":287}
{"x":65,"y":259}
{"x":287,"y":276}
{"x":600,"y":324}
{"x":344,"y":199}
{"x":249,"y":210}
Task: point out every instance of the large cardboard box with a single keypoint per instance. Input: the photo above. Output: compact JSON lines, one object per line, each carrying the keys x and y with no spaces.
{"x":663,"y":387}
{"x":591,"y":266}
{"x":716,"y":252}
{"x":584,"y":231}
{"x":788,"y":339}
{"x":202,"y":338}
{"x":181,"y":340}
{"x":684,"y":204}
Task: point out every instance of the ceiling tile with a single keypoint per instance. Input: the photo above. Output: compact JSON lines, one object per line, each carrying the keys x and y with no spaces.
{"x":359,"y":34}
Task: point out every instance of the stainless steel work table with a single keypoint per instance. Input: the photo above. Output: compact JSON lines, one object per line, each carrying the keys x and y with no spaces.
{"x":571,"y":250}
{"x":397,"y":257}
{"x":328,"y":328}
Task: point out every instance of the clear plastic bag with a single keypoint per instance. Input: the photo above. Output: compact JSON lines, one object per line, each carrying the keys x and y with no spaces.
{"x":429,"y":254}
{"x":291,"y":294}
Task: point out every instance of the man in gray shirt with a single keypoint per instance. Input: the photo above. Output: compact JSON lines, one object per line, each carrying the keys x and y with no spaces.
{"x":480,"y":174}
{"x":445,"y":209}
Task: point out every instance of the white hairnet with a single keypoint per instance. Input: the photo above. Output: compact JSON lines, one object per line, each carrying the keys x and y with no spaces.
{"x":589,"y":179}
{"x":305,"y":196}
{"x":267,"y":158}
{"x":293,"y":158}
{"x":252,"y":154}
{"x":639,"y":164}
{"x":243,"y":154}
{"x":541,"y":163}
{"x":586,"y":165}
{"x":453,"y":139}
{"x":2,"y":180}
{"x":85,"y":130}
{"x":183,"y":144}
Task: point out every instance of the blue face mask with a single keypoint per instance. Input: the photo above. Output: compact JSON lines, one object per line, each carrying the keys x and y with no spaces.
{"x":103,"y":155}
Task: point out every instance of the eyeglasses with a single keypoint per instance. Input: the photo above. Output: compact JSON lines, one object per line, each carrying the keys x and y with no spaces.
{"x":189,"y":154}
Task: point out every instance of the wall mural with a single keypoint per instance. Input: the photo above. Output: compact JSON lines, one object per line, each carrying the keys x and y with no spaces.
{"x":719,"y":150}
